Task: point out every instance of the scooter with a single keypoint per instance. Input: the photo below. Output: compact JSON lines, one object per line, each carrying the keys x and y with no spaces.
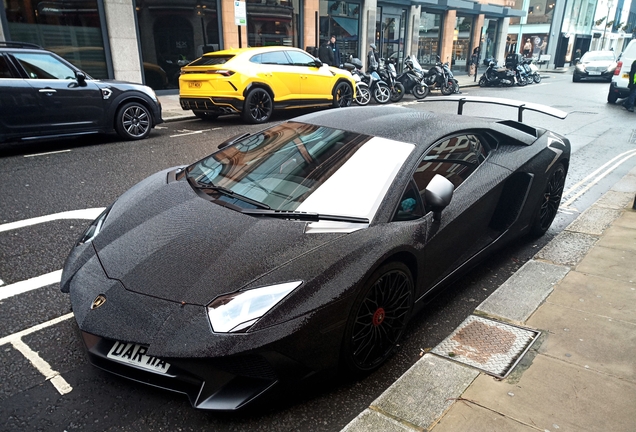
{"x":379,"y":90}
{"x":495,"y":76}
{"x":413,"y":78}
{"x":437,"y":77}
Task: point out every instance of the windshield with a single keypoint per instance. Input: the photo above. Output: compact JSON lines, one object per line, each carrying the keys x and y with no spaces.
{"x":300,"y":167}
{"x":416,"y":64}
{"x":597,"y":56}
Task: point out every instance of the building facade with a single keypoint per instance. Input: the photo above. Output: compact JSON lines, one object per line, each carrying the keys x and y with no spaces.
{"x":149,"y":40}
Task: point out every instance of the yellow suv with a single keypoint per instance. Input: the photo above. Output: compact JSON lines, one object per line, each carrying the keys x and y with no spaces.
{"x":255,"y":81}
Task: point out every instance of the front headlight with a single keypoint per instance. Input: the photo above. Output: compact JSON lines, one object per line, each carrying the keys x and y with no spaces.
{"x":238,"y":311}
{"x":580,"y":67}
{"x":94,"y":228}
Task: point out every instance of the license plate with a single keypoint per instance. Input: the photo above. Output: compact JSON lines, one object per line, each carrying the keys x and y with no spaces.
{"x":135,"y":354}
{"x":194,"y":84}
{"x":626,"y":76}
{"x":594,"y":73}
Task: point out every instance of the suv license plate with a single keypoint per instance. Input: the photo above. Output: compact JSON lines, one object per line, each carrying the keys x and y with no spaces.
{"x":135,"y":354}
{"x":194,"y":84}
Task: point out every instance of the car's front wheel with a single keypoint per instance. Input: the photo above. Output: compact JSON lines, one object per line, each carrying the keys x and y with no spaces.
{"x":258,"y":107}
{"x":378,"y":318}
{"x":549,"y":205}
{"x":133,"y":121}
{"x":342,"y":95}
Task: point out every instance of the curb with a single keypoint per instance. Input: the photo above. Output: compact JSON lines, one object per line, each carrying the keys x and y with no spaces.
{"x":422,"y":395}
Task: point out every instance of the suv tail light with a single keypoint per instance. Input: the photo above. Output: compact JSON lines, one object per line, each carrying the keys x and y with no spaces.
{"x":223,"y":72}
{"x":619,"y":66}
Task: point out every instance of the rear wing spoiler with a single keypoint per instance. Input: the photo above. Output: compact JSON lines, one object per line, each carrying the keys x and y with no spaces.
{"x":521,"y":106}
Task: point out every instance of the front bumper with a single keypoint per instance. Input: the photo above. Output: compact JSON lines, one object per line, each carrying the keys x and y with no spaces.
{"x":605,"y":75}
{"x":215,"y":105}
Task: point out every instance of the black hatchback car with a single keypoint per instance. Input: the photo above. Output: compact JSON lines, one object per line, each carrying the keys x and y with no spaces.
{"x":44,"y":96}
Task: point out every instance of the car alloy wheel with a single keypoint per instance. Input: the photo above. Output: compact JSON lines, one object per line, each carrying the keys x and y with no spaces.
{"x":258,"y":106}
{"x":342,"y":95}
{"x":133,"y":121}
{"x":550,"y":201}
{"x":378,"y":318}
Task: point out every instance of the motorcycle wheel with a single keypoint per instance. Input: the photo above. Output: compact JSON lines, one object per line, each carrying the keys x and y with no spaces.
{"x":420,"y":91}
{"x":483,"y":82}
{"x":398,"y":92}
{"x":521,"y":81}
{"x":381,"y":93}
{"x":455,"y":86}
{"x":536,"y":77}
{"x":363,"y":95}
{"x":447,"y":89}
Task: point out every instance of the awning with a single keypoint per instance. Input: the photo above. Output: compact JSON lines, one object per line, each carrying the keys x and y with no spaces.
{"x":350,"y":25}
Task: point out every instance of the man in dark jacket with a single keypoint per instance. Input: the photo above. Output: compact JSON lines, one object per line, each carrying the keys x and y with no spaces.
{"x":372,"y":59}
{"x":325,"y":54}
{"x":335,"y":50}
{"x":629,"y":105}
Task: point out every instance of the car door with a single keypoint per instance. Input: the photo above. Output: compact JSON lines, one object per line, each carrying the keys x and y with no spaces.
{"x":19,"y":105}
{"x":67,"y":105}
{"x":464,"y":227}
{"x":315,"y":82}
{"x":276,"y":70}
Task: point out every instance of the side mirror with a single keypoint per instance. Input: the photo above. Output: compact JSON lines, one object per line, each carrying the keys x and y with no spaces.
{"x":438,"y":195}
{"x":233,"y":140}
{"x":81,"y":77}
{"x":317,"y":63}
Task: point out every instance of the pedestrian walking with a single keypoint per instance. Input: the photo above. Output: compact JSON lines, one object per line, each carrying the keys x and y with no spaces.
{"x":474,"y":61}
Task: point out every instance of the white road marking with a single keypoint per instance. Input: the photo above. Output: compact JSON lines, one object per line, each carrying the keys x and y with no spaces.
{"x":90,"y":214}
{"x":160,"y":127}
{"x":30,"y":284}
{"x":188,"y":132}
{"x":592,"y":181}
{"x":38,"y":362}
{"x":47,"y":153}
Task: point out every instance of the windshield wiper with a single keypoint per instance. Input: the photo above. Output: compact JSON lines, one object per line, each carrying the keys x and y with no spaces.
{"x":227,"y":192}
{"x":310,"y":217}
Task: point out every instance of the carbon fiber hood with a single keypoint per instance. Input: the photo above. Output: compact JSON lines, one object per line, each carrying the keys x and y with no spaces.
{"x":160,"y":239}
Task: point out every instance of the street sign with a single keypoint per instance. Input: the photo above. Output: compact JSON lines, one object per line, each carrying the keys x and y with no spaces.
{"x":240,"y":15}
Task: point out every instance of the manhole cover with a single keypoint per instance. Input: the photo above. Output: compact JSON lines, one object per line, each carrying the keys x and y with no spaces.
{"x":488,"y":345}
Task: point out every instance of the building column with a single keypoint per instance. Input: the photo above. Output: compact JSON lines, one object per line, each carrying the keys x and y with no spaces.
{"x":122,"y":36}
{"x":476,"y":35}
{"x":500,"y":55}
{"x":367,"y":35}
{"x":230,"y":29}
{"x":446,"y":51}
{"x":309,"y":26}
{"x":413,"y":31}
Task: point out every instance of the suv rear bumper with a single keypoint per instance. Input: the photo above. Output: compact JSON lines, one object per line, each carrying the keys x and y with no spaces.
{"x":619,"y":91}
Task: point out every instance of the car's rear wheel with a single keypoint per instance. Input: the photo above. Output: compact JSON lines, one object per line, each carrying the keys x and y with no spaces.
{"x":549,"y":205}
{"x":258,"y":107}
{"x":342,"y":95}
{"x":612,"y":97}
{"x":133,"y":121}
{"x":378,"y":318}
{"x":205,"y":115}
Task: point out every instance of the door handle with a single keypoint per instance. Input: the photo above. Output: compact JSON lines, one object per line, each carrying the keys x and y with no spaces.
{"x":47,"y":90}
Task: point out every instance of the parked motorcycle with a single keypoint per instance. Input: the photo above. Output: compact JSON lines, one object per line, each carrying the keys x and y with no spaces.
{"x":532,"y":70}
{"x":497,"y":76}
{"x":379,"y":89}
{"x":437,"y":78}
{"x":363,"y":94}
{"x":514,"y":62}
{"x":451,"y":77}
{"x":387,"y":72}
{"x":413,"y":78}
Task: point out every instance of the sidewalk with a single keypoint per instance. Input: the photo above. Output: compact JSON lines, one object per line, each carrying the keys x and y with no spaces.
{"x":579,"y":291}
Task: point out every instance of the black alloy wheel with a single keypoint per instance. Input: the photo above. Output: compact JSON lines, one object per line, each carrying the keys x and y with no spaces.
{"x":550,"y":201}
{"x":133,"y":121}
{"x":342,"y":95}
{"x":536,"y":77}
{"x":205,"y":115}
{"x":420,"y":91}
{"x":378,"y":318}
{"x":483,"y":82}
{"x":447,"y":88}
{"x":258,"y":107}
{"x":397,"y":92}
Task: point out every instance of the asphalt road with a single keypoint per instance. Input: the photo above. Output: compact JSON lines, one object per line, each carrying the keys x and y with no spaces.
{"x":53,"y":177}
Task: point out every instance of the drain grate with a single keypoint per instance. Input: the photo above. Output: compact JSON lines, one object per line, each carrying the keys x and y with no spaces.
{"x":488,"y":345}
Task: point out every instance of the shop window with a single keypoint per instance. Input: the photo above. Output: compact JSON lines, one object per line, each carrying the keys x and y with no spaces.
{"x":429,"y":38}
{"x":341,"y":19}
{"x":273,"y":23}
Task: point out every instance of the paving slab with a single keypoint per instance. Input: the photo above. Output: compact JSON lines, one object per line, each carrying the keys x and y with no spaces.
{"x":425,"y":391}
{"x":616,"y":200}
{"x":524,"y":291}
{"x":587,"y":340}
{"x":465,"y":416}
{"x":627,"y":219}
{"x":627,"y":183}
{"x":567,"y":248}
{"x":611,"y":263}
{"x":597,"y":295}
{"x":619,"y":237}
{"x":373,"y":421}
{"x":594,"y":220}
{"x":558,"y":397}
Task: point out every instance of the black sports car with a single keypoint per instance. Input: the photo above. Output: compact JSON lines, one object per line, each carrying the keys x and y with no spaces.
{"x":304,"y":246}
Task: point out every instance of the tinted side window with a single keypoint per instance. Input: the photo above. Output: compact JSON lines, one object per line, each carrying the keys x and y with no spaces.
{"x":275,"y":57}
{"x":300,"y":59}
{"x":455,"y":158}
{"x":44,"y":66}
{"x":410,"y":206}
{"x":258,"y":58}
{"x":5,"y":71}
